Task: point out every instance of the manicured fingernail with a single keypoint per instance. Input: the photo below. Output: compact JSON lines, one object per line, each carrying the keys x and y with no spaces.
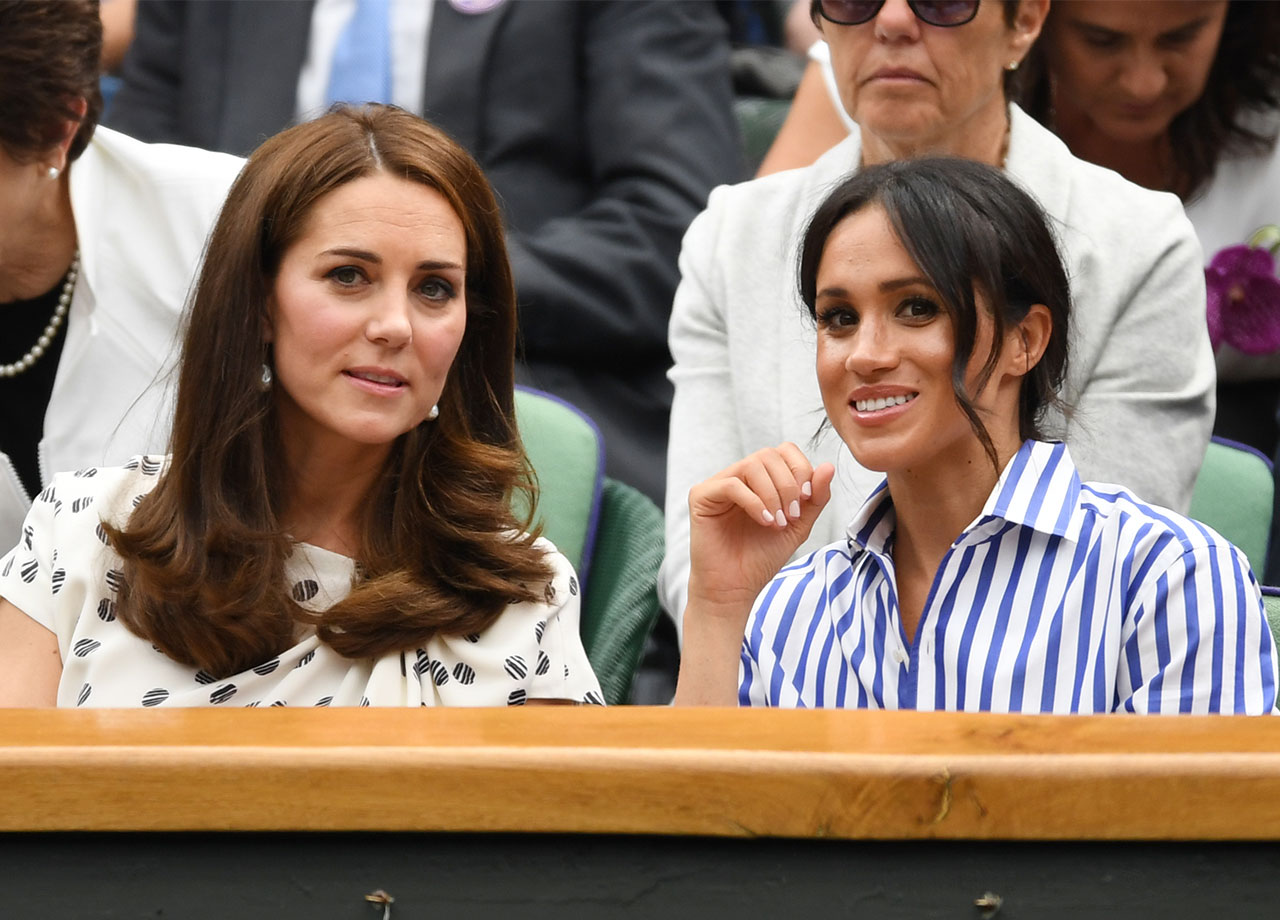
{"x":795,"y":509}
{"x":781,"y":519}
{"x":806,"y":489}
{"x":767,"y":515}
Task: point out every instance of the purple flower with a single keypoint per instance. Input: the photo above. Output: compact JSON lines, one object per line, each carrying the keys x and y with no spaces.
{"x":1244,"y":300}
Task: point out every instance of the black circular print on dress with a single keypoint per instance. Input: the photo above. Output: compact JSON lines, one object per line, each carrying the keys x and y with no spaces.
{"x":155,"y":697}
{"x":85,"y":647}
{"x":515,"y":667}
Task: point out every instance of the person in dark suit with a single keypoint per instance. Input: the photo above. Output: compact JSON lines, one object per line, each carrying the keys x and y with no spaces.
{"x":602,"y":126}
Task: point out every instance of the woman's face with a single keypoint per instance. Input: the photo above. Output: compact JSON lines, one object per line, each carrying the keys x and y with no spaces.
{"x":367,"y":312}
{"x":885,"y":350}
{"x":914,"y":84}
{"x":1131,"y":66}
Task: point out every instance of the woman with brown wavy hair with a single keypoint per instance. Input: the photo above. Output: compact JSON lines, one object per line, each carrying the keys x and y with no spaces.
{"x":333,"y":523}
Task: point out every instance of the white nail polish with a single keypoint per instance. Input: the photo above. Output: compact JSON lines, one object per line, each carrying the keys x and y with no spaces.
{"x":767,"y":516}
{"x":806,"y":489}
{"x":780,"y":518}
{"x":795,"y":509}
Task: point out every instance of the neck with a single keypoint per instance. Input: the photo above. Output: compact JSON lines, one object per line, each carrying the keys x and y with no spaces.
{"x":328,"y":493}
{"x":37,"y":244}
{"x":933,"y":506}
{"x":1148,"y":162}
{"x":983,"y":137}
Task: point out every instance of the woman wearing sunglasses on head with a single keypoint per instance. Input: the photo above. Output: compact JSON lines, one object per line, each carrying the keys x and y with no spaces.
{"x":924,"y":78}
{"x":981,"y":574}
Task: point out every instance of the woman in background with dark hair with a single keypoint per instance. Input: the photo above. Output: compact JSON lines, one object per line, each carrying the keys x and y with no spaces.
{"x":982,"y":574}
{"x":333,"y":526}
{"x":1182,"y":97}
{"x":100,"y":238}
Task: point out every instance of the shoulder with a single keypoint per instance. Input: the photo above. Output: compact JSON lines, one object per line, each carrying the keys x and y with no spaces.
{"x":161,"y":163}
{"x":1086,"y":199}
{"x":760,"y":221}
{"x":111,"y":492}
{"x":564,"y":580}
{"x":1153,"y":538}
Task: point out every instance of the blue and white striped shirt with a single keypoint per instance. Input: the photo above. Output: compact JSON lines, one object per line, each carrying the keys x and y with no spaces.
{"x":1060,"y":597}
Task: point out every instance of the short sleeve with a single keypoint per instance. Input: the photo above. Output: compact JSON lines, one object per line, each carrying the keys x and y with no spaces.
{"x":27,"y":571}
{"x":562,"y":671}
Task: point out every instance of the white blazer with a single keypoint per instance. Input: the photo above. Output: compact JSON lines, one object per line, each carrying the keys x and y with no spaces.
{"x":142,"y":214}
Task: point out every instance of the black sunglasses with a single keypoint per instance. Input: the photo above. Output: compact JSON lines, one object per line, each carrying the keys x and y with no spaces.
{"x":945,"y":13}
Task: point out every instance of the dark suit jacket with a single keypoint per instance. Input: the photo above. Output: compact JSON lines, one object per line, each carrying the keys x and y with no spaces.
{"x":602,"y":126}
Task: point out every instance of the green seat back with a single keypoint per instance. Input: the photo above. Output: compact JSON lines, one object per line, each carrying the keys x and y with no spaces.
{"x":1272,"y":603}
{"x":567,"y":453}
{"x":1233,"y":495}
{"x":620,"y":596}
{"x":759,"y":120}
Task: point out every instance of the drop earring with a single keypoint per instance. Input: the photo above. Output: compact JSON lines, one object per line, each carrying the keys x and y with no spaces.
{"x":434,"y":413}
{"x":267,"y":377}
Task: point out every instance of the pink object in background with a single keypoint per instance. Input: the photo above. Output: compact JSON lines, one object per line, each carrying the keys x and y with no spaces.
{"x":1244,"y":295}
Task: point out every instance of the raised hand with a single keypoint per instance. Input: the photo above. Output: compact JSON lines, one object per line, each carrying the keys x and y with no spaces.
{"x":745,"y":523}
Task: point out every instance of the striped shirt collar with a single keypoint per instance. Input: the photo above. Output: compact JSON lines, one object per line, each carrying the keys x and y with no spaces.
{"x":1039,"y":488}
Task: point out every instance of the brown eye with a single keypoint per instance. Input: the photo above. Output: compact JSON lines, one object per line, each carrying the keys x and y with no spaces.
{"x":919,"y":308}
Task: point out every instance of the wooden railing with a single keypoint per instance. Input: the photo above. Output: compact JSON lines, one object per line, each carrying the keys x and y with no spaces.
{"x":644,"y":770}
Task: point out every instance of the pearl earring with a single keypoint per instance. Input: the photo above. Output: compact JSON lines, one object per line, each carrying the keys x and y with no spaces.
{"x":434,"y":413}
{"x":267,"y":377}
{"x":54,"y":172}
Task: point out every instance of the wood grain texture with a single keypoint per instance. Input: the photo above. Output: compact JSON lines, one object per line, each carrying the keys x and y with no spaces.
{"x":644,"y":770}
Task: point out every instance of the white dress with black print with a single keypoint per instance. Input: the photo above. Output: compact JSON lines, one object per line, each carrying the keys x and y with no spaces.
{"x":64,"y":576}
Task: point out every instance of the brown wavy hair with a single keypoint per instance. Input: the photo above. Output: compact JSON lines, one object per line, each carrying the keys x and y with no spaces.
{"x":440,"y":548}
{"x":49,"y":59}
{"x":1237,"y":113}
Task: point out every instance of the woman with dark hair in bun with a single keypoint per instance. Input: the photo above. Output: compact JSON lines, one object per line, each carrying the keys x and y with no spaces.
{"x":982,"y":574}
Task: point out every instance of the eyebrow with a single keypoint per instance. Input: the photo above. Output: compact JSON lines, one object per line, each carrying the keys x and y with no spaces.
{"x":893,"y":284}
{"x":365,"y":256}
{"x":1086,"y":26}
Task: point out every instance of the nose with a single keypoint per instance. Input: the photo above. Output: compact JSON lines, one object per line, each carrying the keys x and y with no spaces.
{"x":1143,"y":78}
{"x":872,"y":349}
{"x":388,"y":322}
{"x":896,"y":21}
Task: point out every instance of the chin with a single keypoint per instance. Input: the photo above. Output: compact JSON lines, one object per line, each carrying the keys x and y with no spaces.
{"x":1132,"y":131}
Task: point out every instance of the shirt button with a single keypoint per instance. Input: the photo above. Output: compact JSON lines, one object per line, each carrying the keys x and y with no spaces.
{"x":900,"y":655}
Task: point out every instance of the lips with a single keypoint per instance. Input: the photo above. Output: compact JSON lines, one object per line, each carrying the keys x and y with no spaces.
{"x":379,"y":376}
{"x":897,"y":74}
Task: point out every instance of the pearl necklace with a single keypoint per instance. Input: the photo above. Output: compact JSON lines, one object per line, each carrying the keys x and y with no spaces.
{"x":59,"y":314}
